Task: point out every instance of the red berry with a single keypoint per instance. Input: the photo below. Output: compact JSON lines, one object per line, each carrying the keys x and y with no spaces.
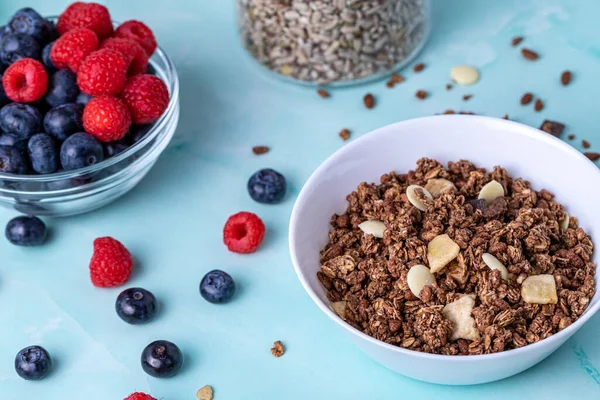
{"x":102,"y":72}
{"x":243,"y":232}
{"x":107,"y":118}
{"x":139,"y":396}
{"x":138,"y":32}
{"x":147,"y":98}
{"x":93,"y":16}
{"x":111,"y":263}
{"x":73,"y":47}
{"x":134,"y":54}
{"x":25,"y":81}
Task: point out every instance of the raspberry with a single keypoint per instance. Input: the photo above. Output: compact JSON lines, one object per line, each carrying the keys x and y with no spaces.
{"x":25,"y":81}
{"x":243,"y":232}
{"x":147,"y":98}
{"x":107,"y":118}
{"x":138,"y":32}
{"x":73,"y":47}
{"x":92,"y":16}
{"x":139,"y":396}
{"x":134,"y":54}
{"x":111,"y":263}
{"x":102,"y":72}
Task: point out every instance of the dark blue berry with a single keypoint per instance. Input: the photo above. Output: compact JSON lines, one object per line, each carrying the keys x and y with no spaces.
{"x":9,"y":140}
{"x":28,"y":22}
{"x":217,"y":287}
{"x":162,"y":359}
{"x":26,"y":231}
{"x":113,"y":148}
{"x":48,"y":64}
{"x":3,"y":31}
{"x":3,"y":99}
{"x":136,"y":306}
{"x":62,"y":88}
{"x":50,"y":32}
{"x":33,"y":363}
{"x":138,"y":132}
{"x":15,"y":46}
{"x":43,"y":153}
{"x":151,"y":70}
{"x":63,"y":121}
{"x":12,"y":160}
{"x":83,"y":99}
{"x":80,"y":150}
{"x":267,"y":186}
{"x":20,"y":120}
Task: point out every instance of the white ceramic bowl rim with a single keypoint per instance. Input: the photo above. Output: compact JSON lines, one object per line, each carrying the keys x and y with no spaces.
{"x":332,"y":160}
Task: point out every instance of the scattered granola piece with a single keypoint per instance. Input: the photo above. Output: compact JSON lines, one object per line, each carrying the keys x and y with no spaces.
{"x":493,"y":263}
{"x":419,"y":67}
{"x":464,"y":75}
{"x":413,"y":192}
{"x":585,"y":144}
{"x":554,"y":128}
{"x":539,"y":289}
{"x":526,"y":98}
{"x":530,"y":54}
{"x":418,"y":277}
{"x":258,"y":150}
{"x":447,"y":112}
{"x":323,"y":93}
{"x":437,"y":186}
{"x":339,"y":307}
{"x":375,"y":228}
{"x":448,"y":86}
{"x":564,"y":222}
{"x":571,"y":136}
{"x":397,"y":78}
{"x":421,"y":94}
{"x":565,"y":78}
{"x":277,"y":350}
{"x":390,"y":84}
{"x":205,"y":393}
{"x":345,"y":134}
{"x":369,"y":101}
{"x":505,"y":116}
{"x":516,"y":40}
{"x":491,"y":191}
{"x":592,"y":155}
{"x":467,"y":97}
{"x":539,"y":105}
{"x":440,"y":251}
{"x":459,"y":313}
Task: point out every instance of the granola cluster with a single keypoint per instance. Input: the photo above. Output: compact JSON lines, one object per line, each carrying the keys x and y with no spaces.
{"x":472,"y":304}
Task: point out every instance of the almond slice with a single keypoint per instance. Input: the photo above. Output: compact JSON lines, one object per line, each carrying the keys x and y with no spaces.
{"x":491,"y":191}
{"x":539,"y":289}
{"x":564,"y":223}
{"x":375,"y":228}
{"x":437,"y":186}
{"x":339,"y":307}
{"x":459,"y":313}
{"x":418,"y":277}
{"x":414,"y":198}
{"x":493,"y":263}
{"x":440,"y":251}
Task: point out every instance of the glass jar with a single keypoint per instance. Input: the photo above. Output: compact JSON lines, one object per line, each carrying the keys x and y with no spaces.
{"x":333,"y":41}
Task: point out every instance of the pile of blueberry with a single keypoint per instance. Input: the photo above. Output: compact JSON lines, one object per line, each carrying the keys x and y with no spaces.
{"x":76,"y":92}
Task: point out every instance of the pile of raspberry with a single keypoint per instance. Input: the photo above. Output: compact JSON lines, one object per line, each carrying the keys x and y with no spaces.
{"x":75,"y":92}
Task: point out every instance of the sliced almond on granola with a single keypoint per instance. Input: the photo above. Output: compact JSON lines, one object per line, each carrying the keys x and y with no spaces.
{"x":437,"y":186}
{"x":459,"y":313}
{"x":339,"y":307}
{"x":418,"y":277}
{"x":375,"y":228}
{"x":539,"y":289}
{"x":413,"y":197}
{"x":493,"y":263}
{"x":564,"y":222}
{"x":491,"y":191}
{"x":440,"y":251}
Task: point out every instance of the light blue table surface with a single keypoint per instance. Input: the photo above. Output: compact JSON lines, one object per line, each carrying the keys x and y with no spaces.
{"x":172,"y":221}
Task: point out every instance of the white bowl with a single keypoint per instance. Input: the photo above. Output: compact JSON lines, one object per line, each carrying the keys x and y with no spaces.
{"x":525,"y":152}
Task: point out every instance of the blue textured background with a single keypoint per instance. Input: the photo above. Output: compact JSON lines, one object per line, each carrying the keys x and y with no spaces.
{"x":172,"y":222}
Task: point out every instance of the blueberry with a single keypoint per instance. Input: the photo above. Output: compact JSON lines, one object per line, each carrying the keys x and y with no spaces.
{"x":3,"y":99}
{"x":43,"y":153}
{"x":162,"y":359}
{"x":136,"y":306}
{"x":267,"y":186}
{"x":113,"y":148}
{"x":63,"y":121}
{"x":33,"y":363}
{"x":80,"y":150}
{"x":28,"y":22}
{"x":9,"y":140}
{"x":15,"y":46}
{"x":50,"y":32}
{"x":12,"y":160}
{"x":62,"y":88}
{"x":151,"y":70}
{"x":217,"y":287}
{"x":48,"y":64}
{"x":26,"y":231}
{"x":83,"y":99}
{"x":138,"y":132}
{"x":20,"y":120}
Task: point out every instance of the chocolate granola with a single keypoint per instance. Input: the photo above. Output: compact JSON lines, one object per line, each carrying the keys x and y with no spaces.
{"x":513,"y":268}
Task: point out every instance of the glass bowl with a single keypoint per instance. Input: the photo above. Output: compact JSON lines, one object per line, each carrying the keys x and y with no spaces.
{"x":75,"y":192}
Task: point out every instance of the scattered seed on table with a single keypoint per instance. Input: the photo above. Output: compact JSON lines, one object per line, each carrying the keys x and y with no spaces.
{"x":448,"y":86}
{"x":421,"y":94}
{"x":467,"y":113}
{"x":571,"y":136}
{"x":449,"y":112}
{"x":526,"y":99}
{"x":464,"y":75}
{"x":258,"y":150}
{"x":565,"y":78}
{"x":419,"y":67}
{"x":592,"y":155}
{"x":369,"y":101}
{"x":467,"y":97}
{"x":397,"y":78}
{"x":323,"y":93}
{"x":390,"y":84}
{"x":530,"y":54}
{"x":585,"y":144}
{"x":516,"y":40}
{"x":505,"y":116}
{"x":553,"y":128}
{"x":539,"y":105}
{"x":345,"y":134}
